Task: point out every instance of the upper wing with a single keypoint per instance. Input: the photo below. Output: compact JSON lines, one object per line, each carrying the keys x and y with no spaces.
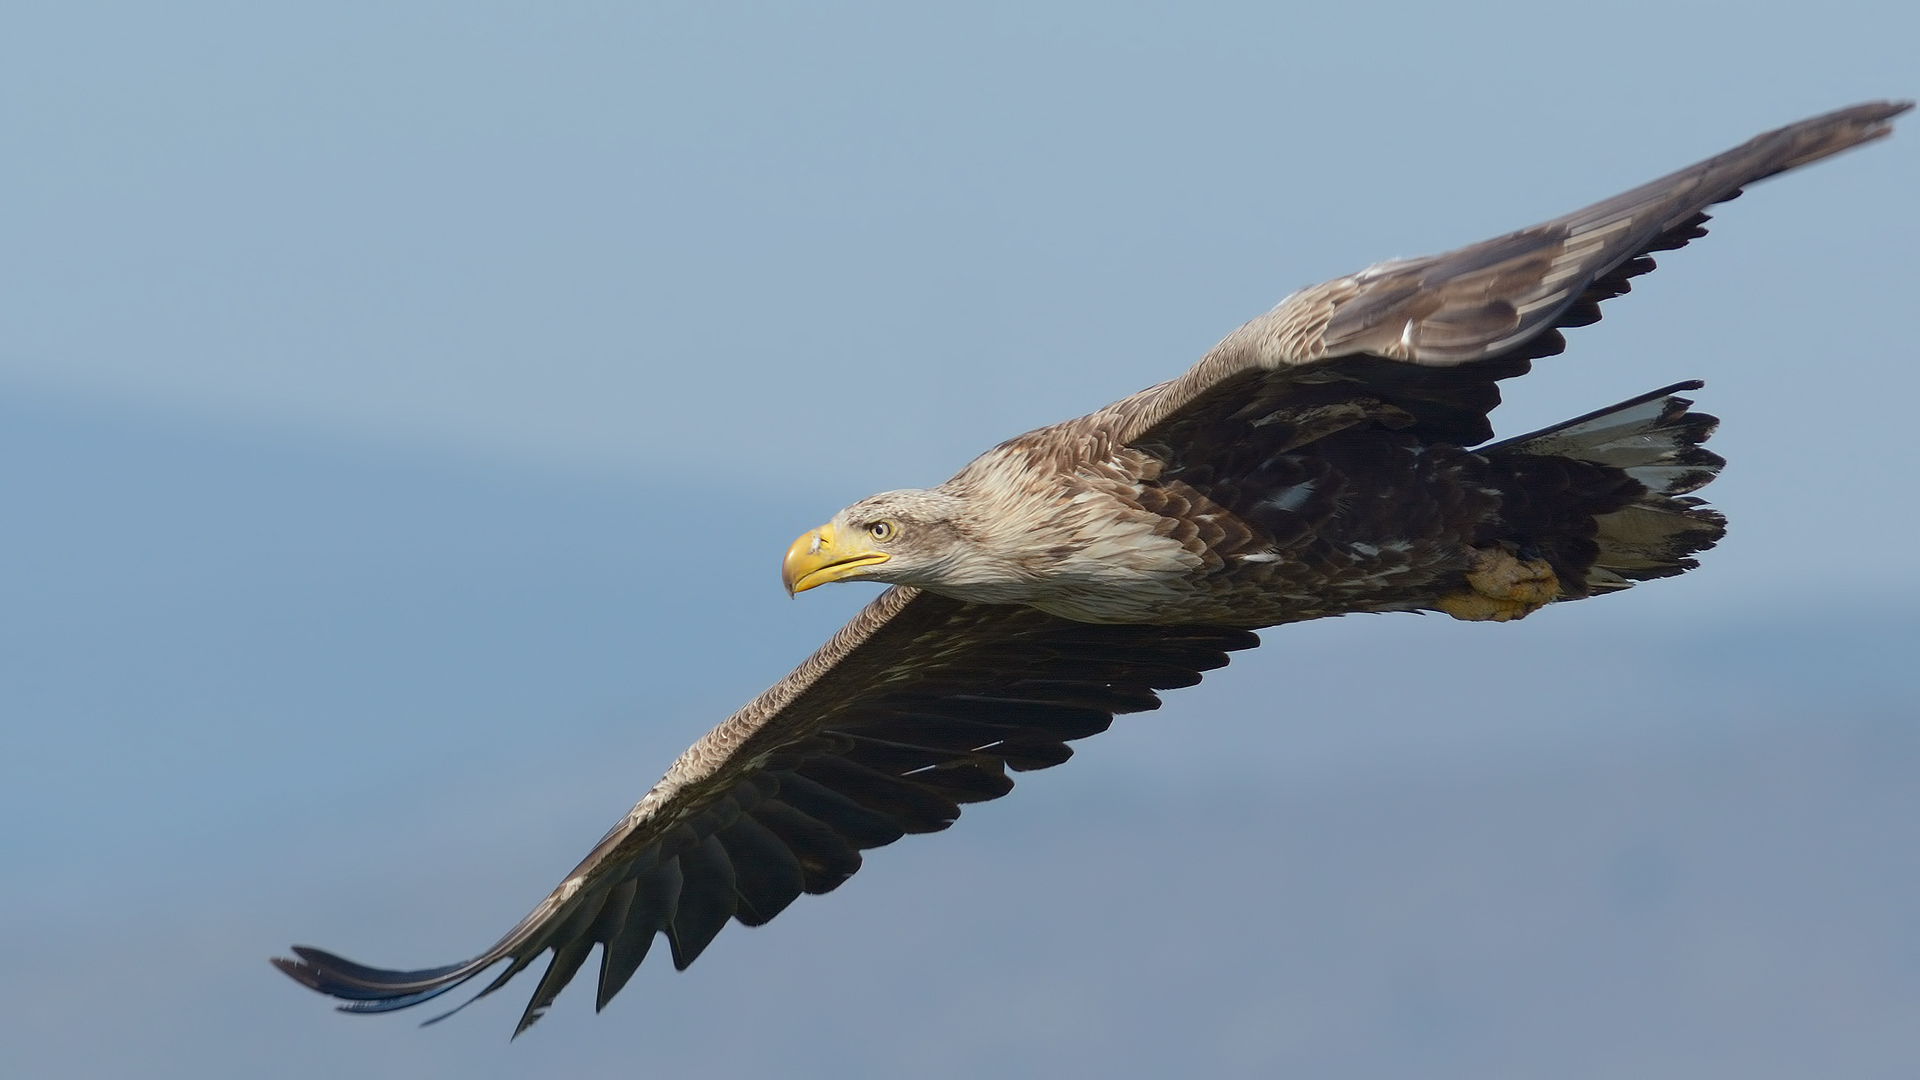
{"x":1432,"y":335}
{"x":917,"y":705}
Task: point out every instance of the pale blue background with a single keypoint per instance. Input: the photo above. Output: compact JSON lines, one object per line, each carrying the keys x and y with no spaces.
{"x":403,"y":409}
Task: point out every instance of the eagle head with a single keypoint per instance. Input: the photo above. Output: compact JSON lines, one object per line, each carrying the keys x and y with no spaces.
{"x":898,"y":537}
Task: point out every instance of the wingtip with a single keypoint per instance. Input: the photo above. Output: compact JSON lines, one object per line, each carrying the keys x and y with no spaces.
{"x":1869,"y":113}
{"x":1806,"y":141}
{"x":1875,"y":118}
{"x":300,"y":970}
{"x":1879,"y":115}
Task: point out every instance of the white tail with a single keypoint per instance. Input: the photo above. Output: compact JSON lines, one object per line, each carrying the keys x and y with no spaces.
{"x":1655,"y":440}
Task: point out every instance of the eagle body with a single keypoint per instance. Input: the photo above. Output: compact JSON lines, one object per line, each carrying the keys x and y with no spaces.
{"x":1331,"y":456}
{"x":1329,"y":504}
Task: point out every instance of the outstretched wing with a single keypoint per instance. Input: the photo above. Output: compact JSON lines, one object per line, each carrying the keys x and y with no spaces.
{"x":916,"y":706}
{"x":1431,"y":336}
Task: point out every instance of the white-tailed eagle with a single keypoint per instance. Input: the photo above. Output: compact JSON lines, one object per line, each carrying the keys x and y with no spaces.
{"x":1331,"y":456}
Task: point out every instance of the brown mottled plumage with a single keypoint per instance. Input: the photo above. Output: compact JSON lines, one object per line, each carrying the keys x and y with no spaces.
{"x":1327,"y":457}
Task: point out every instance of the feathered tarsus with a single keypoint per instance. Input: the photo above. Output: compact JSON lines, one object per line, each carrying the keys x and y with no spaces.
{"x":1320,"y":460}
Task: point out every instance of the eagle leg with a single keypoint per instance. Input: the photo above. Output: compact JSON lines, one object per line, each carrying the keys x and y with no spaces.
{"x":1502,"y":586}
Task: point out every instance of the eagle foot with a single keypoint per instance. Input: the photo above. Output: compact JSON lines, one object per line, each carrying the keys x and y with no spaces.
{"x":1504,"y":587}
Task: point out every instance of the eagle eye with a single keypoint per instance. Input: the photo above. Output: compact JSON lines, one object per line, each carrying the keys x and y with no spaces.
{"x":882,"y":530}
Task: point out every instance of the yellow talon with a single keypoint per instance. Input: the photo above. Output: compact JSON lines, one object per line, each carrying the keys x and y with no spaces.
{"x":1504,"y":587}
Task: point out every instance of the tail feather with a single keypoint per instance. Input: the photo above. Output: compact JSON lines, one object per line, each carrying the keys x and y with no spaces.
{"x":1655,"y":440}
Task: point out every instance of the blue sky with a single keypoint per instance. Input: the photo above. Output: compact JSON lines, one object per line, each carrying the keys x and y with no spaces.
{"x":356,"y":361}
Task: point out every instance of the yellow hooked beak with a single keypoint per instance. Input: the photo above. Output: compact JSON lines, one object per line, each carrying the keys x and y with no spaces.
{"x":821,"y":556}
